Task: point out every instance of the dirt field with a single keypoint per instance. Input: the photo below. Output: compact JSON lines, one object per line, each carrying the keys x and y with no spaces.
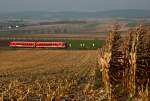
{"x":49,"y":74}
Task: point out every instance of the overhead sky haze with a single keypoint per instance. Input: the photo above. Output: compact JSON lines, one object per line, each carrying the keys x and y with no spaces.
{"x":71,"y":5}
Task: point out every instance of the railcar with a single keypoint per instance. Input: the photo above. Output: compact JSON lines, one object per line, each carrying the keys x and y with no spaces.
{"x":38,"y":44}
{"x":22,"y":44}
{"x":51,"y":44}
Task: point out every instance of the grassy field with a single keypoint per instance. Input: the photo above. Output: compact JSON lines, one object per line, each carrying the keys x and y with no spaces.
{"x":84,"y":44}
{"x":49,"y":74}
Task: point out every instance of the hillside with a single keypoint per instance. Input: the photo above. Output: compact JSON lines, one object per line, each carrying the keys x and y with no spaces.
{"x":75,"y":15}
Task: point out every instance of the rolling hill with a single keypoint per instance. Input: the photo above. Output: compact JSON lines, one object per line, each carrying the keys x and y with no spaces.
{"x":129,"y":13}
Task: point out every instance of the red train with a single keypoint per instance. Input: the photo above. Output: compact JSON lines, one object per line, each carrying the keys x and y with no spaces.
{"x":38,"y":44}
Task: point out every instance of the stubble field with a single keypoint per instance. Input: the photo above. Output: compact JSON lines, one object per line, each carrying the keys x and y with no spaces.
{"x":49,"y":74}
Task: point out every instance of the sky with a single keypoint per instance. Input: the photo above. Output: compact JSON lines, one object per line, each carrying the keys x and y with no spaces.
{"x":71,"y":5}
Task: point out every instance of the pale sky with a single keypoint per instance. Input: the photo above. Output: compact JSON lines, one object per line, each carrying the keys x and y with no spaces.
{"x":71,"y":5}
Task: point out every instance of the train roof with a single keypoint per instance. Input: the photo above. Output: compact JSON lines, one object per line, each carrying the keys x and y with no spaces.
{"x":36,"y":42}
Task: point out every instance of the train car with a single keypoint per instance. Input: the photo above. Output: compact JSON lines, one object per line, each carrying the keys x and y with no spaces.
{"x":22,"y":44}
{"x":51,"y":44}
{"x":38,"y":44}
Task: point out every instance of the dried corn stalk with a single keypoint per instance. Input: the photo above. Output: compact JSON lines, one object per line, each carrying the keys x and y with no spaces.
{"x":110,"y":57}
{"x":126,"y":67}
{"x":103,"y":60}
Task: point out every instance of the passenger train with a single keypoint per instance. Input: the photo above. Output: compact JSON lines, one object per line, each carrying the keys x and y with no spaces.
{"x":24,"y":44}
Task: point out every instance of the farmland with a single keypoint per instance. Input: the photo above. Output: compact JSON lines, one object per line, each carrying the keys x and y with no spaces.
{"x":89,"y":69}
{"x":49,"y":74}
{"x":62,"y":27}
